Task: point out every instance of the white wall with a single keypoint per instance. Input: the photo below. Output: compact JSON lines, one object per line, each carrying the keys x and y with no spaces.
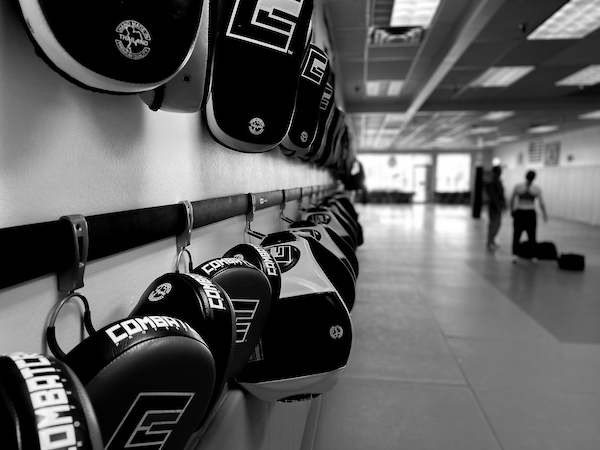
{"x":67,"y":150}
{"x":571,"y":189}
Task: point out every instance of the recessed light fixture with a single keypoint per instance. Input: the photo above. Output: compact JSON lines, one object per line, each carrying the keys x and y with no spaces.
{"x":575,"y":20}
{"x":483,"y":130}
{"x":413,"y":13}
{"x":381,"y":88}
{"x":372,"y":88}
{"x":507,"y":138}
{"x":501,"y":76}
{"x":394,"y":88}
{"x":590,"y":115}
{"x":542,"y":129}
{"x":496,"y":116}
{"x":584,"y":77}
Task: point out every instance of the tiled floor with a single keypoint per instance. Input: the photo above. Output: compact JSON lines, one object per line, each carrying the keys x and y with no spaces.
{"x":457,"y":348}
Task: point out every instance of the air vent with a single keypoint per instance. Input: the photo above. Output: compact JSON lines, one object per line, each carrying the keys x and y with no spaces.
{"x":395,"y":35}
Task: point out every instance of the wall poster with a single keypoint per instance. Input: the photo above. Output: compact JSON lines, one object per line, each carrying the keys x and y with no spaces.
{"x":552,"y":153}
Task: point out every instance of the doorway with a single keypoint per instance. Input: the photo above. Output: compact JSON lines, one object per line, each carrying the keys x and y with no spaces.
{"x":422,"y":182}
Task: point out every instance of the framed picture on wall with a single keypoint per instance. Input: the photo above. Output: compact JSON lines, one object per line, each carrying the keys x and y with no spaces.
{"x":552,"y":153}
{"x":536,"y":149}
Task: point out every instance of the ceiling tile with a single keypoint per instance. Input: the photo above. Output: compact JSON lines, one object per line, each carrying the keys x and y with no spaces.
{"x":388,"y":70}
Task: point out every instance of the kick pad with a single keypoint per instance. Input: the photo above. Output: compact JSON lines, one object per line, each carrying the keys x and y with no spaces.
{"x":259,"y":46}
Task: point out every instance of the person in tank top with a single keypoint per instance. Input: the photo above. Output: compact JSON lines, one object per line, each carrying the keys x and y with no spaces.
{"x":523,"y":207}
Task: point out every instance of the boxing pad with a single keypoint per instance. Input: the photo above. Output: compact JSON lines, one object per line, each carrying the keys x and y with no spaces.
{"x":149,"y":379}
{"x":332,"y":242}
{"x":186,"y":92}
{"x":336,"y":207}
{"x":203,"y":305}
{"x":344,"y":202}
{"x":43,"y":405}
{"x":332,"y":160}
{"x":262,"y":259}
{"x":305,"y":119}
{"x":305,"y":345}
{"x":114,"y":46}
{"x":344,"y":208}
{"x":258,"y":50}
{"x":337,"y":223}
{"x":250,"y":292}
{"x":325,"y":110}
{"x":328,"y":142}
{"x":321,"y":260}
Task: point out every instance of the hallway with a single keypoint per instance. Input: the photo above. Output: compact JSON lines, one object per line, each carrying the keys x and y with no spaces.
{"x":456,"y":348}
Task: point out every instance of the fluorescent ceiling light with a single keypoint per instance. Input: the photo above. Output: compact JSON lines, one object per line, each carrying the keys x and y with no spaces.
{"x":413,"y":13}
{"x":507,"y":138}
{"x":575,"y":20}
{"x":501,"y":76}
{"x":590,"y":115}
{"x":380,"y":88}
{"x":543,"y":129}
{"x":372,"y":88}
{"x":496,"y":116}
{"x":395,"y":117}
{"x":483,"y":130}
{"x":584,"y":77}
{"x":395,"y":87}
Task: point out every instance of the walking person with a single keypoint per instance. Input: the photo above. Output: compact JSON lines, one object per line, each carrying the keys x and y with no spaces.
{"x":523,"y":208}
{"x":496,"y":206}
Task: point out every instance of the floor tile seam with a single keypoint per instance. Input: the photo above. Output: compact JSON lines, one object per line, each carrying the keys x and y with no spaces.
{"x":408,"y":382}
{"x":528,"y":390}
{"x":468,"y":385}
{"x":553,"y":341}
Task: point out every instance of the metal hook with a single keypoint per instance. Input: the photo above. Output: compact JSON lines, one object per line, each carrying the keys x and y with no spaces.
{"x":250,"y":218}
{"x":184,"y":238}
{"x":180,"y":253}
{"x":51,"y":330}
{"x":300,"y":207}
{"x":71,"y":278}
{"x":282,"y":209}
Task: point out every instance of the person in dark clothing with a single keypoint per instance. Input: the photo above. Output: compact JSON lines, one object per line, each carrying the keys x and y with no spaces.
{"x":496,"y":206}
{"x":523,"y":207}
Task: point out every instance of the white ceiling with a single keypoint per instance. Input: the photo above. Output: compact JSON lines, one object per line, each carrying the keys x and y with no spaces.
{"x":436,"y":108}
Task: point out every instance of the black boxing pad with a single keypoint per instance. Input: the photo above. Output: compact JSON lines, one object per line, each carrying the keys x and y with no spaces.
{"x":344,"y":207}
{"x":43,"y":405}
{"x":114,"y":46}
{"x":344,"y":202}
{"x":333,"y":159}
{"x":327,"y":144}
{"x":149,"y":379}
{"x":258,"y":49}
{"x":325,"y":111}
{"x":186,"y":92}
{"x":250,"y":292}
{"x":203,"y":305}
{"x":306,"y":343}
{"x":320,"y":261}
{"x":262,"y":259}
{"x":305,"y":119}
{"x":331,"y":240}
{"x":340,"y":211}
{"x":338,"y":224}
